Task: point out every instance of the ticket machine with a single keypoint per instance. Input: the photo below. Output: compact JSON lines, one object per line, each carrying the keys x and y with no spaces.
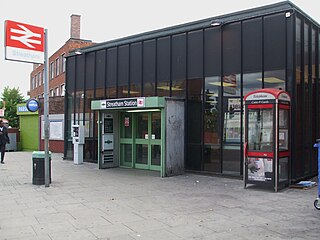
{"x":267,"y":138}
{"x":78,"y":142}
{"x":107,"y":139}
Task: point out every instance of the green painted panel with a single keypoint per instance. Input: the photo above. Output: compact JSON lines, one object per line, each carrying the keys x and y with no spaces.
{"x":95,"y":105}
{"x":155,"y":102}
{"x":29,"y":132}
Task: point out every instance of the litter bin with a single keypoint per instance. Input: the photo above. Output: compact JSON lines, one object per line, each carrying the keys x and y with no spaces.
{"x":38,"y":173}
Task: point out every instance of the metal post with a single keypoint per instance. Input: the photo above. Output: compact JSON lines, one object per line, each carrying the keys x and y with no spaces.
{"x":317,"y":145}
{"x":99,"y":139}
{"x":276,"y":147}
{"x":46,"y":111}
{"x":318,"y":168}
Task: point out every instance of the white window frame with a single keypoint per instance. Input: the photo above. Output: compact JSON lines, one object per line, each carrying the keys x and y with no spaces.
{"x":62,"y":89}
{"x":57,"y":67}
{"x":63,"y":69}
{"x":51,"y":70}
{"x":42,"y":73}
{"x":39,"y":78}
{"x":32,"y":83}
{"x":57,"y":91}
{"x":35,"y":80}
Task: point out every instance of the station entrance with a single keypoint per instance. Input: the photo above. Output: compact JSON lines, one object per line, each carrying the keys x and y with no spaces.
{"x":143,"y":133}
{"x":140,"y":139}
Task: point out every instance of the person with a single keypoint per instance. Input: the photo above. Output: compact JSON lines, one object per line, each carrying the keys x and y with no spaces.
{"x":4,"y":139}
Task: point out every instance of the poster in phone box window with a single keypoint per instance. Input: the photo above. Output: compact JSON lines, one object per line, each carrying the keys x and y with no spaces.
{"x":260,"y":169}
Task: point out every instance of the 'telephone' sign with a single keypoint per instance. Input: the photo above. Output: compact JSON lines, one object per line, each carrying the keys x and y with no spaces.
{"x":24,"y":42}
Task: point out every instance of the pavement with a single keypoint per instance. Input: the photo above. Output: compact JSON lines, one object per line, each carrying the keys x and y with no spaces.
{"x":84,"y":202}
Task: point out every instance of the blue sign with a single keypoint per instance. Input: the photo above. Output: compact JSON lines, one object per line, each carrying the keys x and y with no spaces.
{"x":22,"y":109}
{"x":32,"y":105}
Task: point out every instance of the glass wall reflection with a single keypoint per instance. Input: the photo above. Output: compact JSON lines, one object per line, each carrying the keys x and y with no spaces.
{"x":212,"y":160}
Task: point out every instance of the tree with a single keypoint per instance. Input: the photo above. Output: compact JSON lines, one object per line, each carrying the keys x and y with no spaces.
{"x":10,"y":98}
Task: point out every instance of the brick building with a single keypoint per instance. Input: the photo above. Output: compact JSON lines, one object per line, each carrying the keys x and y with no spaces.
{"x":57,"y":65}
{"x":56,"y":82}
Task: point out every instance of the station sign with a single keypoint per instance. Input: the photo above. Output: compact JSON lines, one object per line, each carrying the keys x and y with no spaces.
{"x":24,"y":42}
{"x":123,"y":103}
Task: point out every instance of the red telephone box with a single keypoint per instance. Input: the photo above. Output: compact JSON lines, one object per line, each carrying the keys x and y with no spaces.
{"x":267,"y":138}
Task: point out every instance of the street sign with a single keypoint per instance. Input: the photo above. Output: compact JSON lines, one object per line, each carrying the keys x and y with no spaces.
{"x":24,"y":42}
{"x":27,"y":43}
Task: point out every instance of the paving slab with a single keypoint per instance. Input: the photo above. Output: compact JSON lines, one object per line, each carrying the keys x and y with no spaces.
{"x":84,"y":202}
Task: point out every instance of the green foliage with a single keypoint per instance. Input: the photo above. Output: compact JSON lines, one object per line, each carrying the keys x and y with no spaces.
{"x":11,"y":97}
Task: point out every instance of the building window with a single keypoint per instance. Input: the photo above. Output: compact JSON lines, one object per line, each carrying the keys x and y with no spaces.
{"x":63,"y":62}
{"x":32,"y":83}
{"x":42,"y":73}
{"x":36,"y":81}
{"x":274,"y":57}
{"x":62,"y":89}
{"x":51,"y":93}
{"x":57,"y":67}
{"x":39,"y":79}
{"x":57,"y":91}
{"x":51,"y":70}
{"x":123,"y":71}
{"x":231,"y":97}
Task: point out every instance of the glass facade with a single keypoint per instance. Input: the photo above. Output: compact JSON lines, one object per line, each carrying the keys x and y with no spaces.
{"x":212,"y":68}
{"x":307,"y":97}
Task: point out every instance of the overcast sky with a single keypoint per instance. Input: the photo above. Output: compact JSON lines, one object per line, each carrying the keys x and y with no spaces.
{"x":106,"y":20}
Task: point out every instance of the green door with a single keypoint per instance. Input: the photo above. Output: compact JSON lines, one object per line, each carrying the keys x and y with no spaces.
{"x":141,"y":140}
{"x":126,"y":140}
{"x":29,"y":132}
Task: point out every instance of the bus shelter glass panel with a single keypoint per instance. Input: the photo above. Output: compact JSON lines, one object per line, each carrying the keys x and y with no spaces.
{"x":260,"y":127}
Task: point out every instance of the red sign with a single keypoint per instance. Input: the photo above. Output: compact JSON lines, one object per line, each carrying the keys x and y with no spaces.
{"x":126,"y":122}
{"x":24,"y":42}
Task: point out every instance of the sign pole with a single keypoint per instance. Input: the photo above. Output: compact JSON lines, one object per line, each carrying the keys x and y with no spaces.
{"x":46,"y":111}
{"x":28,"y":43}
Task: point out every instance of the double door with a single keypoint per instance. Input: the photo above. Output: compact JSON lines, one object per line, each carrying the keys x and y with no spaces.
{"x":140,"y":140}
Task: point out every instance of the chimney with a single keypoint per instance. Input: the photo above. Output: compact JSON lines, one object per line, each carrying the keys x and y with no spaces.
{"x":75,"y":26}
